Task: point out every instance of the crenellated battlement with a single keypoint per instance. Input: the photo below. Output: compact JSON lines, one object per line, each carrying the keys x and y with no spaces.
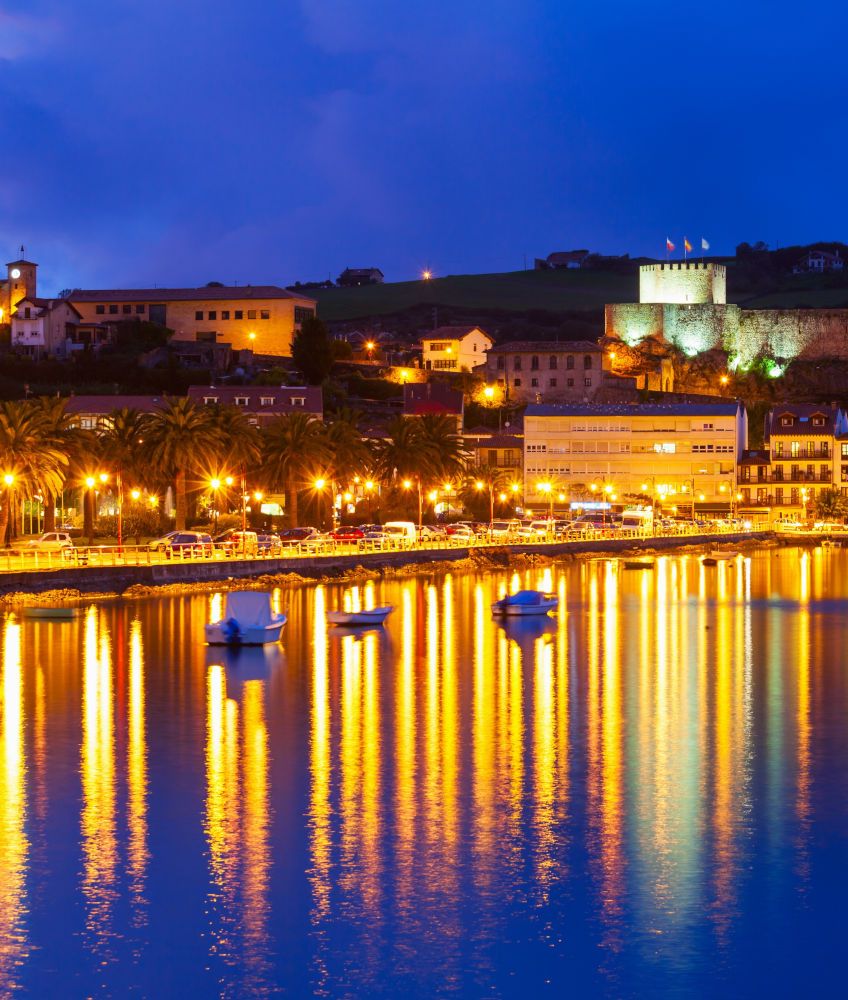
{"x":683,"y":282}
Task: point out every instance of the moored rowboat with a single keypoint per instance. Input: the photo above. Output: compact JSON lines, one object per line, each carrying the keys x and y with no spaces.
{"x":524,"y":603}
{"x":373,"y":616}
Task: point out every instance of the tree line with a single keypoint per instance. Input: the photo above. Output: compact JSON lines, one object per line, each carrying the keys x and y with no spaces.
{"x":185,"y":445}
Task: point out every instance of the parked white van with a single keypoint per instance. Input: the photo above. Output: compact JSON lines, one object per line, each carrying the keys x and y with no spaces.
{"x":404,"y":533}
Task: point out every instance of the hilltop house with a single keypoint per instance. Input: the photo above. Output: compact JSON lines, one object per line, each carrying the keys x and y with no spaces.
{"x":455,"y":348}
{"x":353,"y":277}
{"x":568,"y":260}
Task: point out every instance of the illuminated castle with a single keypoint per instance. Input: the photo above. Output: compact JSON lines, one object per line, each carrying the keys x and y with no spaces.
{"x":685,"y":303}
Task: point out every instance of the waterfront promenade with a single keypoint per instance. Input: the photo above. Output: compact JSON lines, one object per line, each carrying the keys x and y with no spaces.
{"x":114,"y":569}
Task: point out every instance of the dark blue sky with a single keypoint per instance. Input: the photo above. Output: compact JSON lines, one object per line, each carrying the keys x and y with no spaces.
{"x":269,"y":140}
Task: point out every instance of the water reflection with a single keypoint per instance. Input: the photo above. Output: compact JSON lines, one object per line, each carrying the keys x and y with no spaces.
{"x":619,"y":791}
{"x":237,"y":824}
{"x":14,"y":844}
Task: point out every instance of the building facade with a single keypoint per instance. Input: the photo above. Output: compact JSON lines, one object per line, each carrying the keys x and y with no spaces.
{"x":42,"y":328}
{"x":530,"y":371}
{"x":455,"y":348}
{"x":682,"y":456}
{"x":806,"y":454}
{"x":262,"y":318}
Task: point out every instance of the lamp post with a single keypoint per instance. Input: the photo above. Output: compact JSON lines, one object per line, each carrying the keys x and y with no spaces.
{"x":9,"y":482}
{"x":215,"y":485}
{"x":480,"y":486}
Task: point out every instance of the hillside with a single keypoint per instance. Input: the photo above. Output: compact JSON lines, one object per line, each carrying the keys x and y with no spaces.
{"x":756,"y":282}
{"x":512,"y":291}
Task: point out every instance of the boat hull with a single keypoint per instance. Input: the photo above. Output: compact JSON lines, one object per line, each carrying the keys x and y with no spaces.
{"x":221,"y":634}
{"x":523,"y":610}
{"x":374,"y":616}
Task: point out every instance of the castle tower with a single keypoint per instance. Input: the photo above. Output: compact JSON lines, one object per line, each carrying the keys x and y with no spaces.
{"x":683,"y":283}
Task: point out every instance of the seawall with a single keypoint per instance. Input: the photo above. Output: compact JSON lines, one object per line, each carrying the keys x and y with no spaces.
{"x":118,"y":579}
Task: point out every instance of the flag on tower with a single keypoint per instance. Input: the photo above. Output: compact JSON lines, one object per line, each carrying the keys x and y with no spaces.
{"x":669,"y":245}
{"x":687,"y":246}
{"x":704,"y":244}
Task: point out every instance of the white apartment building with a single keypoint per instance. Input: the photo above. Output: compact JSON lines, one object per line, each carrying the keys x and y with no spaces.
{"x":681,"y":455}
{"x":455,"y":348}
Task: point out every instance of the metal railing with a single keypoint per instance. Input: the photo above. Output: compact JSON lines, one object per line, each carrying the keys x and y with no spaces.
{"x":16,"y":560}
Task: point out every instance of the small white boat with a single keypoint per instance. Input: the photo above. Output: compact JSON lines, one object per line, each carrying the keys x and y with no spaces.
{"x":374,"y":616}
{"x":60,"y":614}
{"x":249,"y":620}
{"x":525,"y":602}
{"x":714,"y":558}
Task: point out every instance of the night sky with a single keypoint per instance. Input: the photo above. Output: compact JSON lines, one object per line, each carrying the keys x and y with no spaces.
{"x":263,"y":141}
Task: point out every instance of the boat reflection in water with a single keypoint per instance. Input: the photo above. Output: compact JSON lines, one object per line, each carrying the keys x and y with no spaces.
{"x":625,"y":797}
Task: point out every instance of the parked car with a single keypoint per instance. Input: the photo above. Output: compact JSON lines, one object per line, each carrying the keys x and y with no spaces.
{"x":268,"y":543}
{"x":504,"y":529}
{"x":461,"y":533}
{"x":346,"y":533}
{"x":403,"y":532}
{"x":290,"y":537}
{"x":237,"y":542}
{"x":51,"y":541}
{"x":432,"y":532}
{"x":195,"y":543}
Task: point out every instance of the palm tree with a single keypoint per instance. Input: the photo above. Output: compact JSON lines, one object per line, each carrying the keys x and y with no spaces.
{"x":483,"y":483}
{"x":293,"y":446}
{"x":120,"y":440}
{"x":442,"y":443}
{"x":239,"y":442}
{"x":33,"y":460}
{"x":58,"y":428}
{"x":405,"y":456}
{"x":348,"y":455}
{"x":181,"y":441}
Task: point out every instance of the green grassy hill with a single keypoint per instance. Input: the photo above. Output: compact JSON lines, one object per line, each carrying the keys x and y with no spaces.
{"x":513,"y":291}
{"x":520,"y":292}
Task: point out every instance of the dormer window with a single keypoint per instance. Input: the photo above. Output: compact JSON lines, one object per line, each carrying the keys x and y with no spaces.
{"x":786,"y":421}
{"x":209,"y":400}
{"x":266,"y":400}
{"x":298,"y":401}
{"x":242,"y":400}
{"x":818,"y":421}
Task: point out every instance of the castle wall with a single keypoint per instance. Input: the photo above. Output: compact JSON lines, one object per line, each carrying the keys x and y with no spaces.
{"x":632,"y":322}
{"x":683,"y":283}
{"x":808,"y":334}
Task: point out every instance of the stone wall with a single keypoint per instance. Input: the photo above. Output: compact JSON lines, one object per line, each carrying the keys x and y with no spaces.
{"x":785,"y":334}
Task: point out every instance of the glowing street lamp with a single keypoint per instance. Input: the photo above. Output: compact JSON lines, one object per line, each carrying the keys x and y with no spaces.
{"x":426,"y":274}
{"x":489,"y":392}
{"x":135,"y":494}
{"x":369,"y":346}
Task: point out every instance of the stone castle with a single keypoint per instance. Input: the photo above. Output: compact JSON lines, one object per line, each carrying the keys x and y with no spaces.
{"x":685,"y":303}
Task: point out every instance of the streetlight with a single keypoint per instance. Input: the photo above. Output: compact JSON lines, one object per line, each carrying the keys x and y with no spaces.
{"x":9,"y":480}
{"x":546,"y":489}
{"x":426,"y":274}
{"x":215,"y":484}
{"x":369,"y":346}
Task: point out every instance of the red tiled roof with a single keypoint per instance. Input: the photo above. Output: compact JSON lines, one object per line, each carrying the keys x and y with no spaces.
{"x":452,"y":332}
{"x":103,"y":405}
{"x":546,"y":347}
{"x":227,"y":293}
{"x":281,"y":395}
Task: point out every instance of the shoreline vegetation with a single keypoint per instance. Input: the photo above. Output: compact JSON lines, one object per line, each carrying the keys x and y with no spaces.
{"x":475,"y":560}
